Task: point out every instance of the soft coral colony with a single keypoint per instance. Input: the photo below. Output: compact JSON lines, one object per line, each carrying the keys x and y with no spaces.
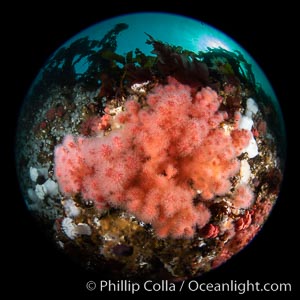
{"x":160,"y":159}
{"x":166,"y":164}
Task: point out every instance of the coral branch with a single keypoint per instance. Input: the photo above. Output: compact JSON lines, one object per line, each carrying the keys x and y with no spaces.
{"x":160,"y":158}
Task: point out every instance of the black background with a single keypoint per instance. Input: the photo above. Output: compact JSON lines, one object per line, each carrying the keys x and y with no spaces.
{"x":33,"y":32}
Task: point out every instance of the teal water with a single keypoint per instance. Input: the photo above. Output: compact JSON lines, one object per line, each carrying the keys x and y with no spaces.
{"x":175,"y":30}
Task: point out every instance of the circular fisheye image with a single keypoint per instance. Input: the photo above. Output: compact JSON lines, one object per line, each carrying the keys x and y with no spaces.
{"x":150,"y":145}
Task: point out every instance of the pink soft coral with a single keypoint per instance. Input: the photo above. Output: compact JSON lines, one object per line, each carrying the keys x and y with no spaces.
{"x":154,"y":166}
{"x":242,"y":197}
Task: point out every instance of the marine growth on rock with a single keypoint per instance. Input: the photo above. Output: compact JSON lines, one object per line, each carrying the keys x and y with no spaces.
{"x":157,"y":161}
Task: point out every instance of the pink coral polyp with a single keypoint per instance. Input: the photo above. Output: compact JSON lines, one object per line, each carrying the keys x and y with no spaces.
{"x":165,"y":155}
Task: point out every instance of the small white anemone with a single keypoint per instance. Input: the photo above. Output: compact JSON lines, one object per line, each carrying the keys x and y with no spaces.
{"x":69,"y":228}
{"x":35,"y":173}
{"x":71,"y":210}
{"x":252,"y":108}
{"x":48,"y":188}
{"x":252,"y":149}
{"x":245,"y":171}
{"x":72,"y":230}
{"x":40,"y":191}
{"x":32,"y":195}
{"x":51,"y":187}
